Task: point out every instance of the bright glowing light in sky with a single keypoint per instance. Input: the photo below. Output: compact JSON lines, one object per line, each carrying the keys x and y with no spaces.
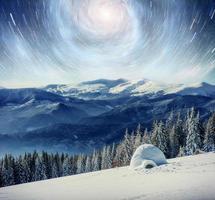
{"x":102,"y":17}
{"x":63,"y":41}
{"x":106,"y":15}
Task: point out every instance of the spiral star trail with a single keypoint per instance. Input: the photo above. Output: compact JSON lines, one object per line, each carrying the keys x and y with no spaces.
{"x":67,"y":41}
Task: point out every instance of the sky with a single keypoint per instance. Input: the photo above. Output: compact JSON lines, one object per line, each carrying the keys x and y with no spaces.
{"x":68,"y":41}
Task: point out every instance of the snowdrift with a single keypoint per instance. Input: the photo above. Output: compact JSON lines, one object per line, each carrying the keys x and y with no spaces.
{"x":147,"y":156}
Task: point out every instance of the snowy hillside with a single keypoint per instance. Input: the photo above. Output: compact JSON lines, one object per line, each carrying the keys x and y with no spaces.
{"x":183,"y":178}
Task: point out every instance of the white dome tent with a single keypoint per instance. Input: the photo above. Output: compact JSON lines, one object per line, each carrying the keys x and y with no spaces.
{"x":147,"y":156}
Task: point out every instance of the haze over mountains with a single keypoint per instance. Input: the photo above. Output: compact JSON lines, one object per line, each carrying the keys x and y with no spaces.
{"x":80,"y":118}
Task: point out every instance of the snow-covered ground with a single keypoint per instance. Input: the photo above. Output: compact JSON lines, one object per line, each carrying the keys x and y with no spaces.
{"x":186,"y":178}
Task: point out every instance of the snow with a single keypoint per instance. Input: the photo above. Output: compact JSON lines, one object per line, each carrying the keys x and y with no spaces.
{"x":187,"y":178}
{"x":139,"y":87}
{"x":146,"y":153}
{"x":109,"y":88}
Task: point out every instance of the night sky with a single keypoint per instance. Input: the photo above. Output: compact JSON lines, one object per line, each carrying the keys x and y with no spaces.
{"x":68,"y":41}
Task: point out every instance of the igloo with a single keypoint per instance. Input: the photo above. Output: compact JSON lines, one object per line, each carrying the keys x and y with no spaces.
{"x":147,"y":156}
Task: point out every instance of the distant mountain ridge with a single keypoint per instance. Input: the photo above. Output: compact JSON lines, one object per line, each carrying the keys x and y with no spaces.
{"x":107,"y":89}
{"x":70,"y":118}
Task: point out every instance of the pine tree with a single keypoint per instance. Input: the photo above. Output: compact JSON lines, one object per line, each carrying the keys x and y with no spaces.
{"x":27,"y":170}
{"x":33,"y":158}
{"x":109,"y":161}
{"x":80,"y":164}
{"x":48,"y":161}
{"x":16,"y":172}
{"x":74,"y":164}
{"x":104,"y":157}
{"x":160,"y":137}
{"x":146,"y":137}
{"x":88,"y":166}
{"x":119,"y":156}
{"x":193,"y":141}
{"x":21,"y":171}
{"x":113,"y":152}
{"x":40,"y":171}
{"x":128,"y":147}
{"x":170,"y":122}
{"x":96,"y":161}
{"x":54,"y":170}
{"x":59,"y":165}
{"x":7,"y":171}
{"x":67,"y":166}
{"x":209,"y":141}
{"x":180,"y":129}
{"x":1,"y":180}
{"x":138,"y":137}
{"x":174,"y":142}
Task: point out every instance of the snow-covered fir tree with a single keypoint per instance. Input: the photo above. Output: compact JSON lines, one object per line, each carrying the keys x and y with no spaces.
{"x":209,"y":141}
{"x":81,"y":164}
{"x":88,"y":165}
{"x":96,"y":161}
{"x":40,"y":172}
{"x":54,"y":170}
{"x":160,"y":137}
{"x":170,"y":121}
{"x":59,"y":164}
{"x":193,"y":140}
{"x":25,"y":171}
{"x":138,"y":137}
{"x":146,"y":137}
{"x":180,"y":128}
{"x":106,"y":158}
{"x":67,"y":166}
{"x":127,"y":147}
{"x":48,"y":161}
{"x":1,"y":180}
{"x":7,"y":171}
{"x":174,"y":142}
{"x":113,"y":152}
{"x":119,"y":156}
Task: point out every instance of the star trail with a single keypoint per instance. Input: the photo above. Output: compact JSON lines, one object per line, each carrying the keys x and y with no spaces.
{"x":67,"y":41}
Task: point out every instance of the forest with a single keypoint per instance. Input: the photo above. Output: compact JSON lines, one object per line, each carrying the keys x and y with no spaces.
{"x":176,"y":136}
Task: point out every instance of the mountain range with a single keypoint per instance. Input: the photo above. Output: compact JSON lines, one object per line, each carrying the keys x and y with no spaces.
{"x":82,"y":117}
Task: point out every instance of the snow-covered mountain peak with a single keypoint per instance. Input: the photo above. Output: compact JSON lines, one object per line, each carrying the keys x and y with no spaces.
{"x":203,"y":89}
{"x":106,"y":89}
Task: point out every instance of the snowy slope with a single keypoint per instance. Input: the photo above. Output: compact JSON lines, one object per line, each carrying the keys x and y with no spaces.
{"x":96,"y":89}
{"x":203,"y":89}
{"x":183,"y":178}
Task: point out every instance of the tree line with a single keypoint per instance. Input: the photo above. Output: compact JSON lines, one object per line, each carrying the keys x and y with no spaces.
{"x":177,"y":136}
